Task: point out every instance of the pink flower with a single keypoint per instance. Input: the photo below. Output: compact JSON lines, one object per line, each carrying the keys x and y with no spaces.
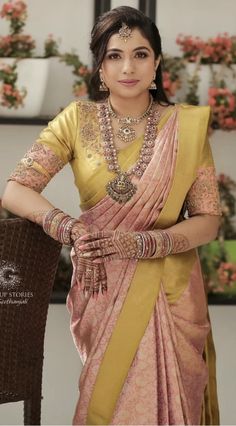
{"x":82,"y":70}
{"x":212,"y":102}
{"x":212,"y":91}
{"x":232,"y":103}
{"x":227,"y":273}
{"x":230,"y":122}
{"x":166,"y":80}
{"x":14,"y":10}
{"x":7,"y":88}
{"x":80,"y":89}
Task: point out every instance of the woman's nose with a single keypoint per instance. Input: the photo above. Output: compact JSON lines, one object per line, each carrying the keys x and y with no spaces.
{"x":128,"y":66}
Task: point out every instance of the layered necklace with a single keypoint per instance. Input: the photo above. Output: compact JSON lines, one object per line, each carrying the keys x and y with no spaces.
{"x":121,"y":188}
{"x":127,"y":133}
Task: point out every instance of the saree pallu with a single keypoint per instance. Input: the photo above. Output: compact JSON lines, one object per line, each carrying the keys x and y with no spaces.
{"x":146,"y":345}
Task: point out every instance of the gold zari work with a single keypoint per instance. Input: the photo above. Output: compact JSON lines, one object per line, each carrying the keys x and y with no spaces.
{"x":89,"y":128}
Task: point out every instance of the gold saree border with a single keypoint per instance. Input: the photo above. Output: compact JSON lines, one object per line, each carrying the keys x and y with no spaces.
{"x":210,"y":410}
{"x":145,"y":285}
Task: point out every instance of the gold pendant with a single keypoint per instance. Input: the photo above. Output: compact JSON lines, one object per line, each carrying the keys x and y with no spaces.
{"x":126,"y":133}
{"x":121,"y":188}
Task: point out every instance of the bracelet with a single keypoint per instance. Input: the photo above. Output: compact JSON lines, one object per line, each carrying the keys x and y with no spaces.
{"x":139,"y":243}
{"x":164,"y":243}
{"x":58,"y":225}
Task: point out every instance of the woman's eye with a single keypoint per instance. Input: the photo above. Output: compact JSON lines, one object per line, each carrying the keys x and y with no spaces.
{"x":113,"y":56}
{"x":141,"y":54}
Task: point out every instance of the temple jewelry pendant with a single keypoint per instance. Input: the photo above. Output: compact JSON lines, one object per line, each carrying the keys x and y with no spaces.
{"x":121,"y":188}
{"x":126,"y":134}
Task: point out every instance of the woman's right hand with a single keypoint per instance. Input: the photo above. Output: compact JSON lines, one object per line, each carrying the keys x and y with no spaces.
{"x":94,"y":275}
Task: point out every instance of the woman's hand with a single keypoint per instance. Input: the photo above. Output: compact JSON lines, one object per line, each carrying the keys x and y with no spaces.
{"x":95,"y":278}
{"x":94,"y":275}
{"x":104,"y":246}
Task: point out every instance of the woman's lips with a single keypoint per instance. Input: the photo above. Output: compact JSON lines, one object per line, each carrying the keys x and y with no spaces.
{"x":128,"y":82}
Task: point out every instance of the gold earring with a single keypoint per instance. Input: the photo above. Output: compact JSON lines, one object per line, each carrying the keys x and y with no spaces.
{"x":103,"y":87}
{"x":153,"y":85}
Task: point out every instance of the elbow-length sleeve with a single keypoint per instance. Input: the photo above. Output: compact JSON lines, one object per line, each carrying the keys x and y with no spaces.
{"x":53,"y":149}
{"x":203,"y":196}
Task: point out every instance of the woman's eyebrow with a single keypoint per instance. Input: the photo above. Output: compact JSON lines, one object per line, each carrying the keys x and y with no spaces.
{"x":134,"y":50}
{"x":142,"y":47}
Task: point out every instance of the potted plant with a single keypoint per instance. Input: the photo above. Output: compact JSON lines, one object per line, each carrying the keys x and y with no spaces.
{"x":219,"y":257}
{"x":172,"y":68}
{"x":206,"y":60}
{"x":23,"y":77}
{"x":81,"y":86}
{"x":223,"y":104}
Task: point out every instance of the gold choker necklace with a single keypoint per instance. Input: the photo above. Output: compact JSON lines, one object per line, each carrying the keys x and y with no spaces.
{"x":127,"y":133}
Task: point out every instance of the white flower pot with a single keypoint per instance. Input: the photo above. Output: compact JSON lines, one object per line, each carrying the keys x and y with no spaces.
{"x":32,"y":75}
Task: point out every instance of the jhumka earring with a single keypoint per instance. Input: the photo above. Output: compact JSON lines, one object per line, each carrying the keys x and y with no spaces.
{"x":103,"y":87}
{"x":153,"y":85}
{"x":125,"y":32}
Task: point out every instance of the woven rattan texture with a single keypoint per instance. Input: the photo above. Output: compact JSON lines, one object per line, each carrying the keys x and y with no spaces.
{"x":28,"y":263}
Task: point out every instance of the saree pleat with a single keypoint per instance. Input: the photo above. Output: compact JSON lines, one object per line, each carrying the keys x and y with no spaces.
{"x":172,"y":347}
{"x":163,"y":381}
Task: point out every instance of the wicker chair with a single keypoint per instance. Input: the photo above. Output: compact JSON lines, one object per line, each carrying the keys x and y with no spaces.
{"x":28,"y":263}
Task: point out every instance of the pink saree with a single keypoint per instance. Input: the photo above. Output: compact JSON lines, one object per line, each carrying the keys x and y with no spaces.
{"x":146,"y":346}
{"x":167,"y":374}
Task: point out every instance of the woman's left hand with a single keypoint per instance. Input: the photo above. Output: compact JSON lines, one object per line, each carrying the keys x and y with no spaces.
{"x":104,"y":246}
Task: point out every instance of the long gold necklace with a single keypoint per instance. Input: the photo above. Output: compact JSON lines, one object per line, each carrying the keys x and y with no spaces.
{"x":127,"y":133}
{"x":121,"y":188}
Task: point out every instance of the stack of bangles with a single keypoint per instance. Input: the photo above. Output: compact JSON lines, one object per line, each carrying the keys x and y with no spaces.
{"x":58,"y":225}
{"x":154,"y":244}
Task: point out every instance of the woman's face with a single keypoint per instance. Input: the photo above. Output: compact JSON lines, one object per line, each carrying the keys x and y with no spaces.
{"x":128,"y":67}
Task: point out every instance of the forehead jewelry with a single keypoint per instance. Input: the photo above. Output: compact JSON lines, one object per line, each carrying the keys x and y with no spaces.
{"x":125,"y":32}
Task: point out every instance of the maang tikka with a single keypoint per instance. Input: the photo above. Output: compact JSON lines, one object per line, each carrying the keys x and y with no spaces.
{"x":125,"y":32}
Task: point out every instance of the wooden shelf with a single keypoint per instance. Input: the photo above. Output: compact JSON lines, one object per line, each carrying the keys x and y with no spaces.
{"x":26,"y":121}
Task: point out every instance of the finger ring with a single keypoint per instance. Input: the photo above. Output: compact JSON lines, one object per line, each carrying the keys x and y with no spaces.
{"x":86,"y":254}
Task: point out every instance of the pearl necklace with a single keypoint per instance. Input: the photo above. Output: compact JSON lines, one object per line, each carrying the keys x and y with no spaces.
{"x":127,"y":133}
{"x":121,"y":189}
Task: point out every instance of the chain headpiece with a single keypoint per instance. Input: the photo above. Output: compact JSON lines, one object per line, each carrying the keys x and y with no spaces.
{"x":125,"y":32}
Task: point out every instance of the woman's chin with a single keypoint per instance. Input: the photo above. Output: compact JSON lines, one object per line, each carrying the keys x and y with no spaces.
{"x":128,"y":93}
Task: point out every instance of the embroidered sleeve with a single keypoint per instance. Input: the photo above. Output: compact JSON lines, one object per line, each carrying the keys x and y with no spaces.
{"x":37,"y":167}
{"x":50,"y":153}
{"x":203,"y":196}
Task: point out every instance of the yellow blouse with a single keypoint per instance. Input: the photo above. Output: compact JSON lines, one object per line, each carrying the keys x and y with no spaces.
{"x":74,"y":136}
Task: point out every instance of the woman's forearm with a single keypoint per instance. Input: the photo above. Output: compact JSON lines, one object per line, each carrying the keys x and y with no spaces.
{"x":194,"y":232}
{"x":107,"y":245}
{"x":25,"y":202}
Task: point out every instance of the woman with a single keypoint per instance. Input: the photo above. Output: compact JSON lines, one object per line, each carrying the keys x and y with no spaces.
{"x":149,"y":197}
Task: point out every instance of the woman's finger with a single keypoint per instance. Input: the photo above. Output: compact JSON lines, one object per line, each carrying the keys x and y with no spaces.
{"x":98,"y":253}
{"x":96,"y":282}
{"x":79,"y":270}
{"x":96,"y":235}
{"x":96,"y":244}
{"x":107,"y":258}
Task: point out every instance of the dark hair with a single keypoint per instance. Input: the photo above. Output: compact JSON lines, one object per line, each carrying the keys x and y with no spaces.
{"x":108,"y":24}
